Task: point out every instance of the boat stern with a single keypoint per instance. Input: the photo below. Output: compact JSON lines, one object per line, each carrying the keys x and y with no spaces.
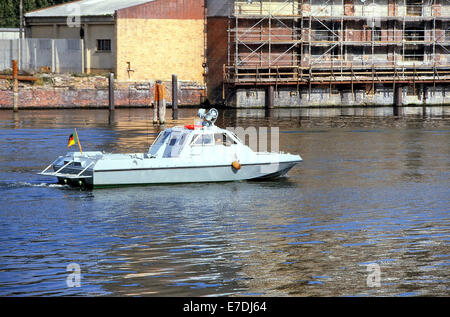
{"x":75,"y":168}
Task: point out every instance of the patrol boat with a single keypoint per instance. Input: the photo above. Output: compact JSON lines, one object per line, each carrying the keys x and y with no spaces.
{"x":182,"y":154}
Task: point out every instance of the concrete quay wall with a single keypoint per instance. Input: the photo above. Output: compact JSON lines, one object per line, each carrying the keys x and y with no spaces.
{"x":287,"y":97}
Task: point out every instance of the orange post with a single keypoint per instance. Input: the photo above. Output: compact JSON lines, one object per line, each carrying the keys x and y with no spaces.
{"x":15,"y":85}
{"x":162,"y":104}
{"x":15,"y":69}
{"x":155,"y":104}
{"x":159,"y":110}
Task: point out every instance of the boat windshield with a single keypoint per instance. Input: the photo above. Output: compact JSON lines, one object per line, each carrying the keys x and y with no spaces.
{"x":160,"y":140}
{"x":175,"y":144}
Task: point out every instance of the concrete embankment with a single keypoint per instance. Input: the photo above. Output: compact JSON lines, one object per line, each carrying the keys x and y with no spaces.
{"x":67,"y":91}
{"x":324,"y":96}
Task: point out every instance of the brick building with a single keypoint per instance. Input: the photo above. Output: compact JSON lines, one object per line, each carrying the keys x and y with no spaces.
{"x":139,"y":40}
{"x":274,"y":53}
{"x":294,"y":53}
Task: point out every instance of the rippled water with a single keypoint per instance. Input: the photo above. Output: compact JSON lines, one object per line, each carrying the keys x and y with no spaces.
{"x":371,"y":190}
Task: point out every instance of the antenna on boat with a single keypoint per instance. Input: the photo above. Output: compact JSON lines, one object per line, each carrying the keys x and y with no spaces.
{"x":209,"y":118}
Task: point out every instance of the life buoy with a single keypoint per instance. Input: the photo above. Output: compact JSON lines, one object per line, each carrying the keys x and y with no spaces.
{"x":236,"y":165}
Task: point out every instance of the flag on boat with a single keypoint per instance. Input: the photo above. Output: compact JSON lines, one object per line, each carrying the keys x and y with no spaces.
{"x":73,"y":139}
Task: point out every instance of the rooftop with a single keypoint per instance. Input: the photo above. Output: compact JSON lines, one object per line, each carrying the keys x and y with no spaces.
{"x":85,"y":8}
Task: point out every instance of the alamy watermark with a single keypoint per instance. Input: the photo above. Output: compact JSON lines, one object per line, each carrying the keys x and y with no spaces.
{"x":258,"y":142}
{"x":374,"y":276}
{"x":74,"y":278}
{"x":74,"y":15}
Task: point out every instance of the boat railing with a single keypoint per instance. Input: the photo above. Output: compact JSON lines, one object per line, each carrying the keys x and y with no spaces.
{"x":66,"y":175}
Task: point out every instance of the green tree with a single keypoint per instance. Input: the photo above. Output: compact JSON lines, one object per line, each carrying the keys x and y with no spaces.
{"x":9,"y":10}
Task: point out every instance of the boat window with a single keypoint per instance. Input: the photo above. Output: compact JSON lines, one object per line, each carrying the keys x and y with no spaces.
{"x":196,"y":140}
{"x":235,"y":136}
{"x":160,"y":140}
{"x":223,"y":139}
{"x":173,"y":141}
{"x":202,"y":139}
{"x":183,"y":139}
{"x":218,"y":138}
{"x":207,"y":139}
{"x":175,"y":146}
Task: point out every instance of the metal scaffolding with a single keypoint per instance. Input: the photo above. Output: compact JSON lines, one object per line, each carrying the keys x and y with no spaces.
{"x":333,"y":42}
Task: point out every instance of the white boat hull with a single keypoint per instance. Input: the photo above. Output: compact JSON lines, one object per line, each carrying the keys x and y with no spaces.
{"x":188,"y":174}
{"x":101,"y":170}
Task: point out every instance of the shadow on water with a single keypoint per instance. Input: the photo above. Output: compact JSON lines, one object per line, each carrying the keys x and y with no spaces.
{"x":373,"y":189}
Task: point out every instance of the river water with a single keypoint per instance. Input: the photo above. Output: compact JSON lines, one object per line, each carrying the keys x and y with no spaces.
{"x":366,"y":214}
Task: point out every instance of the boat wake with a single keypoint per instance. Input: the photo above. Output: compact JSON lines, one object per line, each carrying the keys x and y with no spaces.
{"x":15,"y":185}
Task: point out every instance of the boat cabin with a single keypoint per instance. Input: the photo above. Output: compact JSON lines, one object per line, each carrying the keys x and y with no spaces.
{"x":179,"y":141}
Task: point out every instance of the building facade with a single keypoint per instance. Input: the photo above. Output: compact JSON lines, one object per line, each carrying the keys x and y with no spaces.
{"x":329,"y":52}
{"x":138,"y":40}
{"x":267,"y":53}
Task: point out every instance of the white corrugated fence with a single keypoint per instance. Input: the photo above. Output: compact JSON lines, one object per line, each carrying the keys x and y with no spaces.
{"x":43,"y":55}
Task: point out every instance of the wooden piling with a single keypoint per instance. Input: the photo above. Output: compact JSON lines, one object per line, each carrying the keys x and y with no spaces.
{"x":111,"y":118}
{"x":111,"y":91}
{"x":162,"y":104}
{"x":398,"y":99}
{"x":15,"y":85}
{"x":155,"y":104}
{"x":159,"y":113}
{"x":270,"y":97}
{"x":174,"y":97}
{"x":398,"y":95}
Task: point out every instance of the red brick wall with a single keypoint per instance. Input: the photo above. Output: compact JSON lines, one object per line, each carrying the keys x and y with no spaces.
{"x":94,"y":98}
{"x":165,"y":9}
{"x":349,"y":8}
{"x":217,"y":56}
{"x":392,"y":8}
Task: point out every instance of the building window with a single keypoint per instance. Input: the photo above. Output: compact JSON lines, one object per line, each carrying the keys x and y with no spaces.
{"x":414,"y":7}
{"x":377,"y":34}
{"x":414,"y":55}
{"x":446,"y":31}
{"x":414,"y":35}
{"x":103,"y":45}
